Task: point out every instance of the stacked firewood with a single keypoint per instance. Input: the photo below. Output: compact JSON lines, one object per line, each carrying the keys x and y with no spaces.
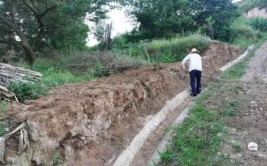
{"x":10,"y":73}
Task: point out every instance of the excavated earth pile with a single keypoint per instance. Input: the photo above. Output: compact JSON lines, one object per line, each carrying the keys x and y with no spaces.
{"x":90,"y":123}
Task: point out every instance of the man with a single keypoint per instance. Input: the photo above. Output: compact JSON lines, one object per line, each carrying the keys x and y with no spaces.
{"x":195,"y":68}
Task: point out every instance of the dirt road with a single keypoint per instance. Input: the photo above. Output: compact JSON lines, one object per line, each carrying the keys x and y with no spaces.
{"x":250,"y":122}
{"x":257,"y":67}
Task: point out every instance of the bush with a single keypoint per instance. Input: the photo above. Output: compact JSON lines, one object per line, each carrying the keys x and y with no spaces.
{"x":42,"y":65}
{"x":28,"y":90}
{"x":243,"y":34}
{"x":258,"y":23}
{"x":119,"y":42}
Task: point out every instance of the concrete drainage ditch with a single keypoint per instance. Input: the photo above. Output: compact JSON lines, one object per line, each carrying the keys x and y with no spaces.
{"x":128,"y":155}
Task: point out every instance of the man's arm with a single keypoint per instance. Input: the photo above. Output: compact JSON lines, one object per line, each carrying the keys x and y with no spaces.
{"x":184,"y":60}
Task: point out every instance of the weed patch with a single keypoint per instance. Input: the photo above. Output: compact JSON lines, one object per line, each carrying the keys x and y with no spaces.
{"x":3,"y":126}
{"x":236,"y":148}
{"x":167,"y":50}
{"x":28,"y":90}
{"x":57,"y":159}
{"x":197,"y":139}
{"x":3,"y":106}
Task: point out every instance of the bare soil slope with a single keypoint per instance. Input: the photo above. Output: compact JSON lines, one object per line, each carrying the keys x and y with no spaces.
{"x":90,"y":123}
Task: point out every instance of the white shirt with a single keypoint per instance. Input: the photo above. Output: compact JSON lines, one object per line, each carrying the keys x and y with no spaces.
{"x":195,"y":62}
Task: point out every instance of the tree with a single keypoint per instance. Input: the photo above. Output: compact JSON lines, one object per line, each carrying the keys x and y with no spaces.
{"x":103,"y":34}
{"x":32,"y":25}
{"x":163,"y":18}
{"x":160,"y":18}
{"x":216,"y":15}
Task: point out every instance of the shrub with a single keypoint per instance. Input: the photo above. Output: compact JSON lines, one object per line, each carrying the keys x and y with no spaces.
{"x":29,"y":90}
{"x":42,"y":65}
{"x":119,"y":42}
{"x":258,"y":23}
{"x":243,"y":34}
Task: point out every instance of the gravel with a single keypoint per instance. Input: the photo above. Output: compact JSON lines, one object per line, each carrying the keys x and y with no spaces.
{"x":257,"y":67}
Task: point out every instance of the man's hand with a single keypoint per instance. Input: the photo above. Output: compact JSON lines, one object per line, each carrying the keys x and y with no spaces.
{"x":183,"y":66}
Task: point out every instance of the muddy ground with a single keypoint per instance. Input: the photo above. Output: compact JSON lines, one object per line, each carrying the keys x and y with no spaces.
{"x":90,"y":123}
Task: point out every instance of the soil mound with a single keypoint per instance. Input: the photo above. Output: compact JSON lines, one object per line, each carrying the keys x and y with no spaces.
{"x":90,"y":123}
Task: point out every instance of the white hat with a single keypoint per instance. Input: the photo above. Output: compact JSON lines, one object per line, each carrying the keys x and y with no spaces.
{"x":194,"y":50}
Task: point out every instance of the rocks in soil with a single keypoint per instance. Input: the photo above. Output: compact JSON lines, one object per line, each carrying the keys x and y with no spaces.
{"x":252,"y":146}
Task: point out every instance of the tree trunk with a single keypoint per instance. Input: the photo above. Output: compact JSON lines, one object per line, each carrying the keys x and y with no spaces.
{"x":29,"y":54}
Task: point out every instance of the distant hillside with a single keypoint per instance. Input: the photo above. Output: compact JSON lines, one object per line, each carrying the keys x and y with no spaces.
{"x":246,"y":5}
{"x":253,"y":8}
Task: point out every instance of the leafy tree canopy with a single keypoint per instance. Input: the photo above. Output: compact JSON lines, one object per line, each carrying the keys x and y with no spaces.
{"x":163,"y":18}
{"x":58,"y":24}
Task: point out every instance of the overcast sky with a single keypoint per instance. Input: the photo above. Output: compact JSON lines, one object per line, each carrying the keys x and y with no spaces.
{"x":120,"y":23}
{"x":234,"y":1}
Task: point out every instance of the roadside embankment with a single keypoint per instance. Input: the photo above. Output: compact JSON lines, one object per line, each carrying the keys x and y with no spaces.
{"x":90,"y":123}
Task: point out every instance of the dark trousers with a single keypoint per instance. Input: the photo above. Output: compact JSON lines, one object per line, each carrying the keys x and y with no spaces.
{"x":195,"y":81}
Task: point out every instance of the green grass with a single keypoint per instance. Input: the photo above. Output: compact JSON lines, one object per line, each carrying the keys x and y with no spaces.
{"x":229,"y":109}
{"x":28,"y":90}
{"x":3,"y":106}
{"x":174,"y":49}
{"x":164,"y":50}
{"x":3,"y":126}
{"x":197,"y":139}
{"x":238,"y":70}
{"x":51,"y":77}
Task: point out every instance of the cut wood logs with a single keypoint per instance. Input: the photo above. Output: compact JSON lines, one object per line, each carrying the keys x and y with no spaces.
{"x":9,"y":73}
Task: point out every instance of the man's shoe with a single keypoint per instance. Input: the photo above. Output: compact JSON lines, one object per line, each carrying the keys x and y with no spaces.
{"x":194,"y":95}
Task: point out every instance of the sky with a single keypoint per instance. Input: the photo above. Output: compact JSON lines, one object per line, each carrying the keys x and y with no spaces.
{"x":234,"y":1}
{"x":120,"y":22}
